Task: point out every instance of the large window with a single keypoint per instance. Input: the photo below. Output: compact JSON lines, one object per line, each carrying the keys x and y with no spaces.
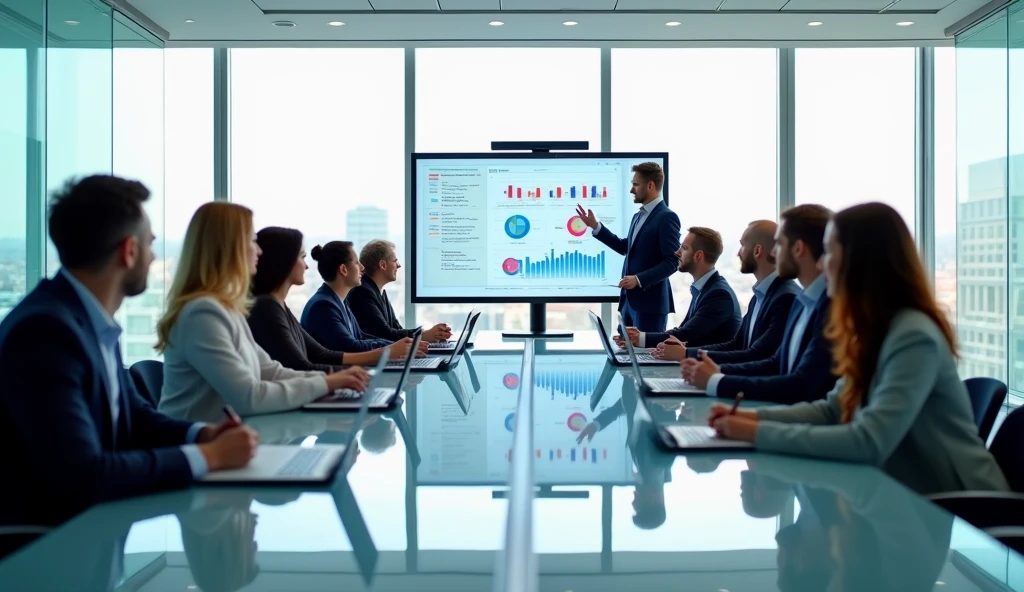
{"x":317,"y":144}
{"x":945,"y":180}
{"x":855,"y":127}
{"x":467,"y":98}
{"x":714,"y":112}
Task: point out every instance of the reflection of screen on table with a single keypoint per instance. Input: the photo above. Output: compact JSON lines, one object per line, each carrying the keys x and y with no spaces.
{"x":457,"y":448}
{"x":495,"y":226}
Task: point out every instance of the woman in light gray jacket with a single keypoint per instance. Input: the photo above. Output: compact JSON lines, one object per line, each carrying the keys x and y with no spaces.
{"x":210,"y":356}
{"x":899,"y":403}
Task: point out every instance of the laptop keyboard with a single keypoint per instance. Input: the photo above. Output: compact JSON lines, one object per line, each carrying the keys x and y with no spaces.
{"x":302,"y":463}
{"x":380,"y":395}
{"x":692,"y":435}
{"x":441,"y":345}
{"x":670,"y":384}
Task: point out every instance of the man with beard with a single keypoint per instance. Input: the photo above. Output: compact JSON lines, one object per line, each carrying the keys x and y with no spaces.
{"x":801,"y":368}
{"x":649,"y":248}
{"x":73,"y":429}
{"x":714,"y":313}
{"x":765,"y":322}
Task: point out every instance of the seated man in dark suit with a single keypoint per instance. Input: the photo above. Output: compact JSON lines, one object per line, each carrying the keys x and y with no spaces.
{"x":765,"y":321}
{"x":714,"y":314}
{"x":73,"y":430}
{"x":369,"y":302}
{"x":801,"y":368}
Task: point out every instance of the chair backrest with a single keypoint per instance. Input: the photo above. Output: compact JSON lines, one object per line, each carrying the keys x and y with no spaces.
{"x":149,"y":379}
{"x":1008,"y":448}
{"x":987,"y":396}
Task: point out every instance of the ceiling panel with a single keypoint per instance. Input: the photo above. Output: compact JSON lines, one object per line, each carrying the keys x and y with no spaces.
{"x":405,"y":4}
{"x":470,"y":4}
{"x":510,"y":5}
{"x":836,"y":5}
{"x":668,"y":4}
{"x":921,"y":4}
{"x":753,"y":4}
{"x":313,"y":4}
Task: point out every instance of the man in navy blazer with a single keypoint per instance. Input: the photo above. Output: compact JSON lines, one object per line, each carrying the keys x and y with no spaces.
{"x":764,"y":323}
{"x":714,"y":313}
{"x":73,"y":430}
{"x":650,"y":248}
{"x":801,"y":368}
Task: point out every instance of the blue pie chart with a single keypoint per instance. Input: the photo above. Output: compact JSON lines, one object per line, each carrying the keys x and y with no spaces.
{"x":517,"y":226}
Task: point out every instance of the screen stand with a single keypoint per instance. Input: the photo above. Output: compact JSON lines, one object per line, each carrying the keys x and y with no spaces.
{"x":538,"y":326}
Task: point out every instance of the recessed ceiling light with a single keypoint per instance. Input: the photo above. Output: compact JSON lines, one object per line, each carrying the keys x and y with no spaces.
{"x":904,"y":23}
{"x":815,"y":24}
{"x":495,"y":23}
{"x":570,"y":23}
{"x":72,"y":23}
{"x":673,"y":24}
{"x":189,"y":21}
{"x":284,"y":24}
{"x":336,"y":24}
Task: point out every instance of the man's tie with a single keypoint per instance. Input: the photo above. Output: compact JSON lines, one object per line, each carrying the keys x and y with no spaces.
{"x":694,"y":294}
{"x":632,"y":226}
{"x":747,"y":339}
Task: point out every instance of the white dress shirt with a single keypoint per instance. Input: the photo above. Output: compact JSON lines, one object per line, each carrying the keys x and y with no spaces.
{"x":760,"y":291}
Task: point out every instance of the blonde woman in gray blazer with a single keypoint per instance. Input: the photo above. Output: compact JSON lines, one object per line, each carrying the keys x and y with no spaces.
{"x":899,"y":403}
{"x":210,"y":357}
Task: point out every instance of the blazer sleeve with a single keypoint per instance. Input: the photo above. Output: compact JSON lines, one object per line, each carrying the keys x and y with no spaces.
{"x":325,"y":323}
{"x":906,"y":378}
{"x":619,"y":245}
{"x":270,"y":328}
{"x":768,"y":342}
{"x":715,"y":309}
{"x":45,"y":375}
{"x":668,"y":244}
{"x":320,"y":355}
{"x":734,"y":344}
{"x":373,"y":319}
{"x":207,"y":345}
{"x":811,"y":378}
{"x":150,"y":428}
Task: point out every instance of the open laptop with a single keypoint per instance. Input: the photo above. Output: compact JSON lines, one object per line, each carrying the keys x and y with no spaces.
{"x":658,"y":386}
{"x":297,"y":465}
{"x":622,"y":359}
{"x":443,"y":347}
{"x":439,"y":363}
{"x":380,"y":398}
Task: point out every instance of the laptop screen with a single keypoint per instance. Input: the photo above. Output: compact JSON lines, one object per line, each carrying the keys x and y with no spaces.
{"x":632,"y":354}
{"x":599,"y":325}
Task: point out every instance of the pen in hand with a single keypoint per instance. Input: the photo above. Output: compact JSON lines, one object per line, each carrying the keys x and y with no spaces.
{"x":736,"y":403}
{"x":232,"y":415}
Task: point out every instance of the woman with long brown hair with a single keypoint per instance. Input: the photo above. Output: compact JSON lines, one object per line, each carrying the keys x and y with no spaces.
{"x":899,"y":403}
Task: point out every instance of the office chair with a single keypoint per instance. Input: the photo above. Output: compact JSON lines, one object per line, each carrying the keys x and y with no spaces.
{"x":149,"y":379}
{"x":987,"y":396}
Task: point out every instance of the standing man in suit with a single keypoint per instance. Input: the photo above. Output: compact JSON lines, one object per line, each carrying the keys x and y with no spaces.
{"x":765,"y":322}
{"x":369,"y":302}
{"x":649,"y":248}
{"x":714,"y":313}
{"x":73,"y":429}
{"x":801,"y":368}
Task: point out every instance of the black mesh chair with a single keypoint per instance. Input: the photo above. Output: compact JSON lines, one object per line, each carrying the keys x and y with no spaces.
{"x":149,"y":379}
{"x":987,"y":396}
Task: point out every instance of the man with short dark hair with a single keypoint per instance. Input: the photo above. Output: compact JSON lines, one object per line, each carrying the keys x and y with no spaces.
{"x":73,"y":429}
{"x":650,"y":249}
{"x":801,"y":368}
{"x":714,"y":313}
{"x":369,"y":301}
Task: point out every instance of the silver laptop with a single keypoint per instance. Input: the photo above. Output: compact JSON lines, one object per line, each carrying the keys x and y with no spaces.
{"x":443,"y":347}
{"x":380,"y":398}
{"x":658,"y":386}
{"x":298,"y":465}
{"x":621,"y":357}
{"x":439,"y":363}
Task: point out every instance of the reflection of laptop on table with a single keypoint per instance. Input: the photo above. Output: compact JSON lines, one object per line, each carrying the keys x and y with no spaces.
{"x":296,"y":465}
{"x":622,"y":359}
{"x":659,"y":386}
{"x":439,"y":363}
{"x":380,"y":398}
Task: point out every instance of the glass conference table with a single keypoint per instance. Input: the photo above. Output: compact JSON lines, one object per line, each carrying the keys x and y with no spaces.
{"x":449,"y":492}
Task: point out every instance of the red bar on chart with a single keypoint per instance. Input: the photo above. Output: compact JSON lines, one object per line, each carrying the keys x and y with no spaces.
{"x":558,"y":192}
{"x":584,"y":195}
{"x":604,"y":192}
{"x":538,"y":193}
{"x":519,"y":193}
{"x":584,"y":454}
{"x":509,"y":194}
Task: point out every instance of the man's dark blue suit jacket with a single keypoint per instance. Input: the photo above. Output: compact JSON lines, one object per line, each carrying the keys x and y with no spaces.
{"x":715,"y":317}
{"x":59,"y":451}
{"x":769,"y":328}
{"x":651,"y":258}
{"x":771,"y":380}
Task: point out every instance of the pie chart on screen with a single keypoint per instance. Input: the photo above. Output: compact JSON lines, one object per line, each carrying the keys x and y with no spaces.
{"x":576,"y":226}
{"x":510,"y":421}
{"x":510,"y":266}
{"x":576,"y":422}
{"x":510,"y":380}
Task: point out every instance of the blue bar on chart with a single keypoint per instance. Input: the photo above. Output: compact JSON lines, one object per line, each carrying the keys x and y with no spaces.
{"x":571,"y":383}
{"x":568,"y":265}
{"x":572,"y":192}
{"x":593,"y":191}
